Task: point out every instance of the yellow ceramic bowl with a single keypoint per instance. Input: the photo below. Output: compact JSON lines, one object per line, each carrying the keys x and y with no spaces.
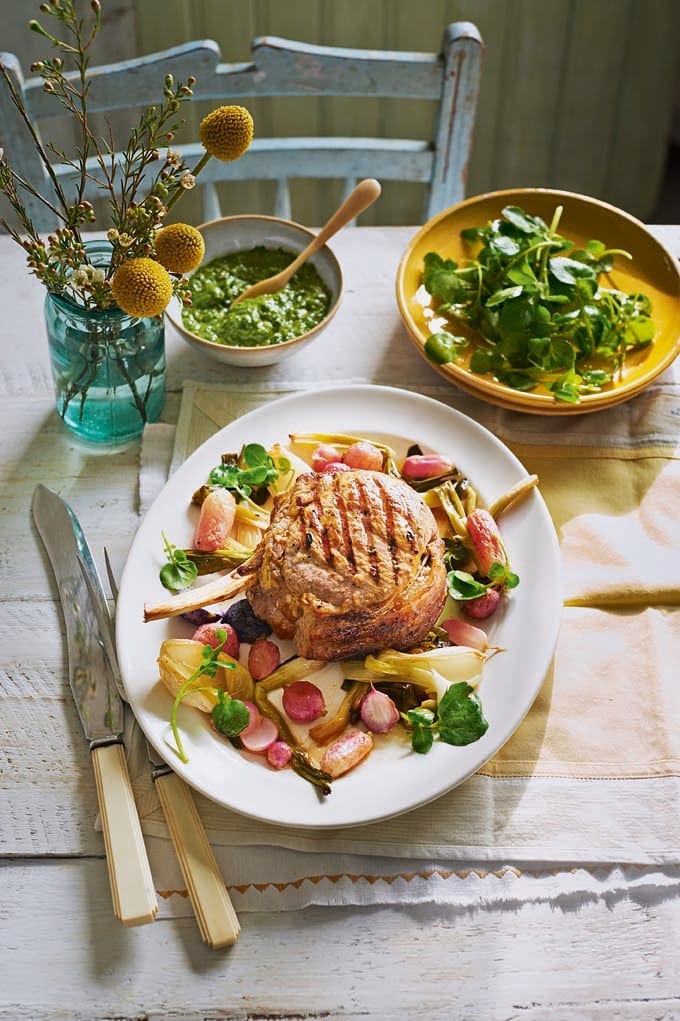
{"x":239,"y":233}
{"x":652,"y":270}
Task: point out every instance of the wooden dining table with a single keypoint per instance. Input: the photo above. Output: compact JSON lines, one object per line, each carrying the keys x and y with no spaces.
{"x":63,"y":954}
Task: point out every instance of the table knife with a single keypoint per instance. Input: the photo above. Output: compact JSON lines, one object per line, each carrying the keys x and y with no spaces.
{"x":100,"y":708}
{"x":217,"y":921}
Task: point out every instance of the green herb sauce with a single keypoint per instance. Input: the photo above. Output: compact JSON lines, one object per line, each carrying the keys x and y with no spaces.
{"x":255,"y":322}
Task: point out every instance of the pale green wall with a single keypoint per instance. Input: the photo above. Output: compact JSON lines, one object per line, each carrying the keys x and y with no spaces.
{"x":576,"y":94}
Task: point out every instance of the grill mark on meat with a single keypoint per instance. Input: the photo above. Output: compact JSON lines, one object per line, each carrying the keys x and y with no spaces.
{"x":328,"y":513}
{"x":311,"y":520}
{"x":390,"y":529}
{"x":364,"y":502}
{"x":317,"y":510}
{"x":345,"y":533}
{"x":392,"y":539}
{"x":322,"y":516}
{"x":306,"y":535}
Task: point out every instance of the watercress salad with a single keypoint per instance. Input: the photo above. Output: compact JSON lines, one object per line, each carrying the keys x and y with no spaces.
{"x":537,"y":306}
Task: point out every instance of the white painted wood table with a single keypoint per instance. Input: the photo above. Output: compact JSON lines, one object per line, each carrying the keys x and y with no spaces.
{"x":63,"y":955}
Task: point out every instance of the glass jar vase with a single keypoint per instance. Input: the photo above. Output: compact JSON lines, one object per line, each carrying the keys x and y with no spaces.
{"x":108,"y":367}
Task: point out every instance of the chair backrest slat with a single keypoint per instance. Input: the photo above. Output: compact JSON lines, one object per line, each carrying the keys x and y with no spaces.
{"x":281,"y":67}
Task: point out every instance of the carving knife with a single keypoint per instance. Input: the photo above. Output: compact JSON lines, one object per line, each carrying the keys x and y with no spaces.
{"x":100,"y":707}
{"x":217,"y":921}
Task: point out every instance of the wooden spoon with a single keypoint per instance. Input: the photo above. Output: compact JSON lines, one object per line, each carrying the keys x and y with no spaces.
{"x":364,"y":194}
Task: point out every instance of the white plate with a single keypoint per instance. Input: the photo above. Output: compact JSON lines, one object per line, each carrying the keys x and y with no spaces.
{"x":393,"y":780}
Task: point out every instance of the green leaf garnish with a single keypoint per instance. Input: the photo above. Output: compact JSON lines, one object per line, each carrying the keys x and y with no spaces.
{"x":230,"y":715}
{"x":463,"y":586}
{"x":461,"y":720}
{"x":253,"y":469}
{"x":441,"y":348}
{"x":179,"y":572}
{"x":422,"y":739}
{"x":499,"y":574}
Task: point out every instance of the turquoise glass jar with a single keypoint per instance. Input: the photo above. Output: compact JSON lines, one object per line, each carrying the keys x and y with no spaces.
{"x":108,"y":367}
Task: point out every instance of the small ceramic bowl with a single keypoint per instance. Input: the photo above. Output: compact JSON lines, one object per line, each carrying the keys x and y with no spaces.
{"x":241,"y":233}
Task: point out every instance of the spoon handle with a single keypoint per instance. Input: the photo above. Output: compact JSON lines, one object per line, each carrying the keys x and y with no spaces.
{"x":360,"y":198}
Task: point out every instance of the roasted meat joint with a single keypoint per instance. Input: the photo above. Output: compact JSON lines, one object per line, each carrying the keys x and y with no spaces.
{"x":371,"y":566}
{"x":350,"y":564}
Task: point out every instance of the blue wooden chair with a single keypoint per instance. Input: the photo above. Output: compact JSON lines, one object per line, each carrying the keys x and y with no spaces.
{"x":280,"y":67}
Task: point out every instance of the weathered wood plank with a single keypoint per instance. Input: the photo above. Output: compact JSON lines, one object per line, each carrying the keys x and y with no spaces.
{"x":581,"y":959}
{"x":533,"y":83}
{"x":589,"y":961}
{"x":644,"y":109}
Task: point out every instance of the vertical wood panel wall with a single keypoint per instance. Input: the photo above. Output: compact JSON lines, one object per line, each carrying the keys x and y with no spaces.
{"x":576,"y":94}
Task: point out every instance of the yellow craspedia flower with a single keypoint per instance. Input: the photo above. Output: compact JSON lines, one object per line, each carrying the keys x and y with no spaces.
{"x":141,"y":287}
{"x":179,"y":247}
{"x":227,"y":132}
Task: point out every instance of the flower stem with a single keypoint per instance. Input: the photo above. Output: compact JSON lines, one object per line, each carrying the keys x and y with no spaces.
{"x":195,"y":172}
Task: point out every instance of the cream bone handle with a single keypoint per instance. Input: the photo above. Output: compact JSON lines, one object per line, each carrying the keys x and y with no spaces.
{"x":214,"y":911}
{"x":132,"y":889}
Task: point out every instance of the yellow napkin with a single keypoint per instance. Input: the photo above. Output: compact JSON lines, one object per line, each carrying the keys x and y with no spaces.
{"x":611,"y":706}
{"x":591,"y":772}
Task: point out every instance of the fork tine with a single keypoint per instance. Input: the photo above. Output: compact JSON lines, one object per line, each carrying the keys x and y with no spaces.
{"x":112,"y":578}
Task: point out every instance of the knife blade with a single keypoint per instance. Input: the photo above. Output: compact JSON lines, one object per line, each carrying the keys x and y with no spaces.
{"x":217,"y":921}
{"x":99,"y":706}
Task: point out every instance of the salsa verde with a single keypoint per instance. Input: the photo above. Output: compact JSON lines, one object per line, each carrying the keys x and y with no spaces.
{"x":254,"y":322}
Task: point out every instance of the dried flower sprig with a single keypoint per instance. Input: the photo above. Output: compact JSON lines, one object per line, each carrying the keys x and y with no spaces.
{"x":147,"y":163}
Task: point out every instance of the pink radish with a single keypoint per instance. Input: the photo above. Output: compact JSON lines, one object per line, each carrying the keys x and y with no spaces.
{"x":364,"y":455}
{"x":262,"y":737}
{"x":462,"y":633}
{"x":215,"y":521}
{"x":425,"y":466}
{"x":206,"y":634}
{"x":303,"y":702}
{"x":378,"y":712}
{"x":324,"y":455}
{"x":346,"y":752}
{"x":279,"y":754}
{"x":482,"y":606}
{"x":255,"y":719}
{"x":486,"y":541}
{"x":263,"y":658}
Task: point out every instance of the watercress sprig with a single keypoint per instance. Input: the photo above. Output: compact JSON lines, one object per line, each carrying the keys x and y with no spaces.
{"x":179,"y":572}
{"x":463,"y":586}
{"x":459,"y":719}
{"x":230,"y":715}
{"x":253,"y":468}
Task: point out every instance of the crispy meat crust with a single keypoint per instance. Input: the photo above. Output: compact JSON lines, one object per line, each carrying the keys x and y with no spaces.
{"x":351,"y":563}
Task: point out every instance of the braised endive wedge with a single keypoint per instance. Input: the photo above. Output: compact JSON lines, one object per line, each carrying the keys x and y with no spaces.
{"x":433,"y":670}
{"x":180,"y":658}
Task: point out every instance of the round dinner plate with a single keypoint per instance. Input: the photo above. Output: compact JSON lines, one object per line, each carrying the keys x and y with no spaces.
{"x":393,"y":779}
{"x":652,"y":270}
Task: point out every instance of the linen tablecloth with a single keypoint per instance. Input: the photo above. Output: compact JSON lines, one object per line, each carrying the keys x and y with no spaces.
{"x":590,"y":778}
